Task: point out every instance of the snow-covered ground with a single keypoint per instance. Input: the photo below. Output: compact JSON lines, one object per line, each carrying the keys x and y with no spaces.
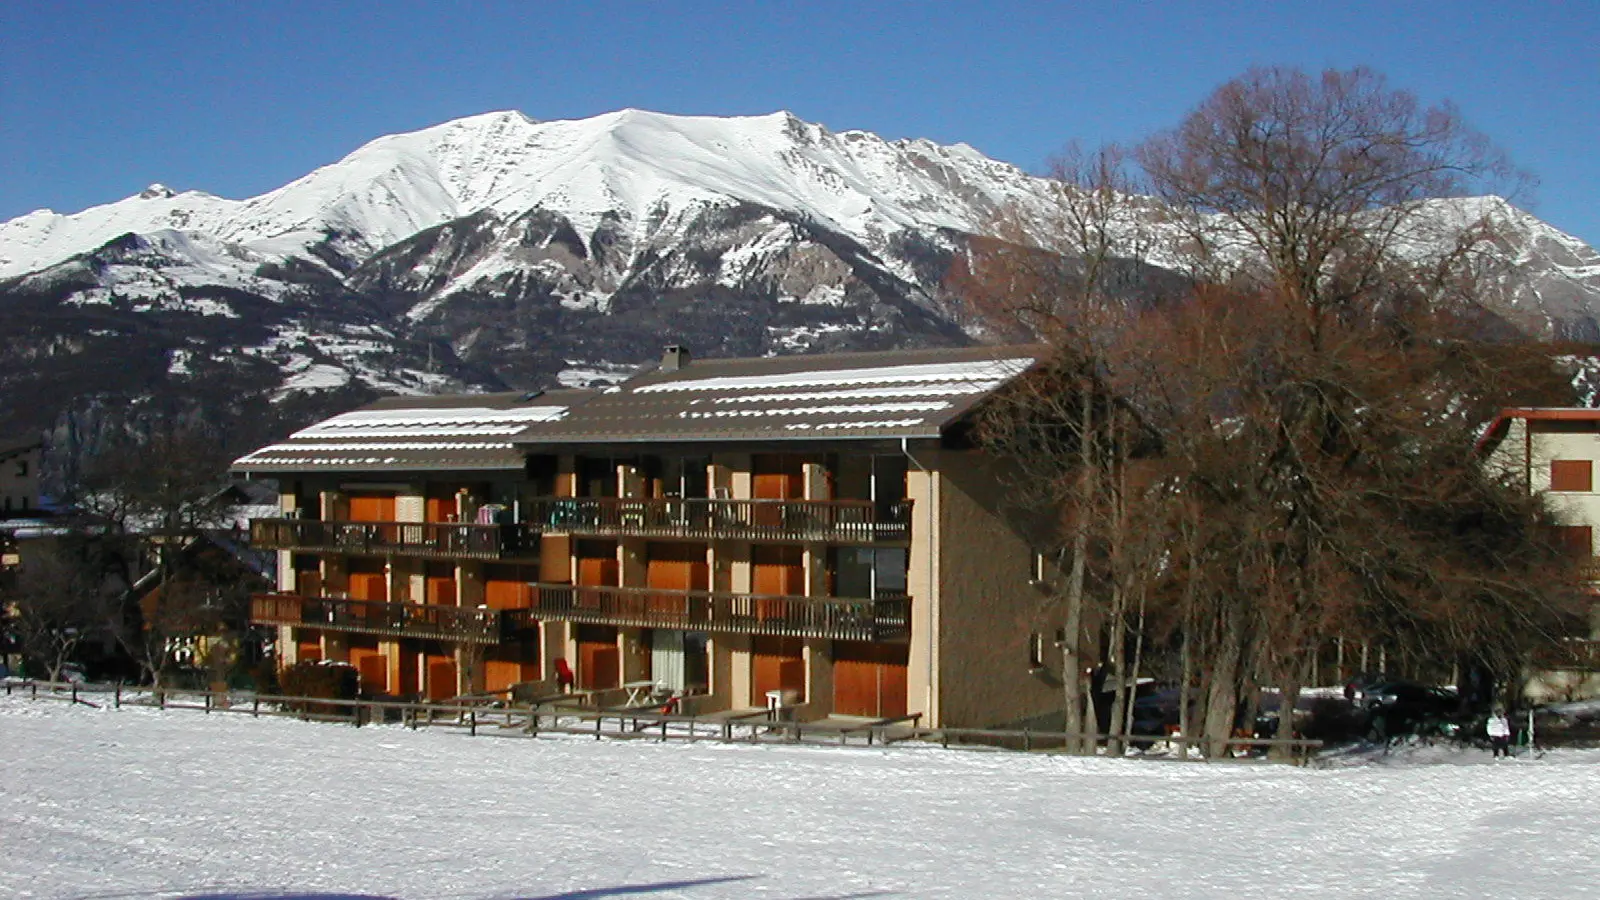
{"x":148,"y":804}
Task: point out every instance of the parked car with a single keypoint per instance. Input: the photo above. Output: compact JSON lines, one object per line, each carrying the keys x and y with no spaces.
{"x":1398,"y":706}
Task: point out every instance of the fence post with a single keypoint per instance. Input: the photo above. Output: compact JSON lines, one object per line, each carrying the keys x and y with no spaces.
{"x":35,"y":686}
{"x":119,"y":693}
{"x":255,"y":707}
{"x":472,"y":722}
{"x":161,"y":699}
{"x":597,"y":727}
{"x":533,"y":720}
{"x":74,"y":693}
{"x":1027,"y":741}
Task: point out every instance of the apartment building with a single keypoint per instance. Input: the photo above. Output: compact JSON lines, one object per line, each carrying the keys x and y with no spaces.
{"x":817,"y":530}
{"x":1555,"y":452}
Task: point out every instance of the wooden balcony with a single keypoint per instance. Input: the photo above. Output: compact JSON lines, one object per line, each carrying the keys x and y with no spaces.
{"x":438,"y":540}
{"x":845,"y":521}
{"x":410,"y":620}
{"x":838,"y":618}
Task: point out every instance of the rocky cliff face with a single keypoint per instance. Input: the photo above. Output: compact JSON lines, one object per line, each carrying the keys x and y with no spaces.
{"x":495,"y":252}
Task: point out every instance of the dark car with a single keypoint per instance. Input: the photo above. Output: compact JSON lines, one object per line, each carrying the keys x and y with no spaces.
{"x":1397,"y":706}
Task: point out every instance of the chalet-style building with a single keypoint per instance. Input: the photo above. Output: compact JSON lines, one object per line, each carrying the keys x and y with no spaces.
{"x":1555,"y":452}
{"x":816,"y":529}
{"x":19,"y":477}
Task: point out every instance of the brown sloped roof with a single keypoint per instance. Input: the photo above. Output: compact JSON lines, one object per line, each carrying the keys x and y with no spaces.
{"x":466,"y":432}
{"x":895,"y":394}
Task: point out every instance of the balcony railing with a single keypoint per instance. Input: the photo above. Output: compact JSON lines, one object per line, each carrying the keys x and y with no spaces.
{"x":411,"y":620}
{"x":854,"y":521}
{"x":442,"y":540}
{"x":885,"y":618}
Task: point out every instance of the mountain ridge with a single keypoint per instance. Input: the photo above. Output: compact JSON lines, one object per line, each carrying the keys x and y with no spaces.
{"x":497,"y":251}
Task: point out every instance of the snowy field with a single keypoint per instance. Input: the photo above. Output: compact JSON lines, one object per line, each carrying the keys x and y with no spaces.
{"x":137,"y":803}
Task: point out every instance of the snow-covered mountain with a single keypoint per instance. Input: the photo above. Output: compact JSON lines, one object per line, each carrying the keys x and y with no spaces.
{"x":496,"y":251}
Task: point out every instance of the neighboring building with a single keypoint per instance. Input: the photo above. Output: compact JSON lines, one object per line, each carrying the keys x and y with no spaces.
{"x":1555,"y":452}
{"x":19,"y":477}
{"x":813,"y":528}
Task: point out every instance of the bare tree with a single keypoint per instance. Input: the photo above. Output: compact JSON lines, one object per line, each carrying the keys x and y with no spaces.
{"x":60,"y":600}
{"x":1306,"y":414}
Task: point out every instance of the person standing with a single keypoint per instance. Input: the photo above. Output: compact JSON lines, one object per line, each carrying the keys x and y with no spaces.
{"x":1499,"y":730}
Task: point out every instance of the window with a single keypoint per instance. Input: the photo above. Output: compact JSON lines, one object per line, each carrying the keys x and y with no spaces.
{"x":1035,"y":651}
{"x":1572,"y":475}
{"x":1576,"y":540}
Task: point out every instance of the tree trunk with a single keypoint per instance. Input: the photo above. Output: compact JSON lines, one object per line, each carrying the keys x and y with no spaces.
{"x":1138,"y":661}
{"x":1071,"y":661}
{"x":1222,"y":697}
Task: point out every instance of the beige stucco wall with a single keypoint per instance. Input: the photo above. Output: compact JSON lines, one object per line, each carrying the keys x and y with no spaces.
{"x":989,"y":608}
{"x":922,"y":584}
{"x":19,"y":482}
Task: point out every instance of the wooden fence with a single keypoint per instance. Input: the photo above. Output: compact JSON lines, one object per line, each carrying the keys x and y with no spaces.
{"x":561,"y":718}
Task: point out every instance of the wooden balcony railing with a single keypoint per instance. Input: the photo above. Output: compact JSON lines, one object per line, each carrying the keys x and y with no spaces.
{"x":885,"y":618}
{"x":855,"y":521}
{"x":442,"y":540}
{"x":412,"y":620}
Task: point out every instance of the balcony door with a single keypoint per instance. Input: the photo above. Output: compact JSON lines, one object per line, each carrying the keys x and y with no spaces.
{"x":368,"y":579}
{"x":674,"y":569}
{"x":869,"y":679}
{"x":440,"y":583}
{"x":776,"y":664}
{"x":777,"y":572}
{"x":439,"y":670}
{"x":371,"y":508}
{"x":599,"y":661}
{"x":506,"y":587}
{"x":370,"y":662}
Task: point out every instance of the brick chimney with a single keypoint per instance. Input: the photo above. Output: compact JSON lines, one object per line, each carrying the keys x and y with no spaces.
{"x":674,"y":358}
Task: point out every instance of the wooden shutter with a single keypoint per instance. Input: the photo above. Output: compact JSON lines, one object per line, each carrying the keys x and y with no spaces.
{"x":371,"y":508}
{"x":777,"y":663}
{"x":869,"y":679}
{"x":1572,"y":475}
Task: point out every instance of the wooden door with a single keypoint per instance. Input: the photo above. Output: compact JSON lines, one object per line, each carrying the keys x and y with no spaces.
{"x":307,"y":576}
{"x":776,"y":663}
{"x":599,"y":662}
{"x":511,"y":663}
{"x":675,"y":569}
{"x":371,"y":508}
{"x":776,"y":476}
{"x":869,"y":679}
{"x":307,"y":644}
{"x":596,"y":568}
{"x":776,"y":572}
{"x":441,"y":670}
{"x":368,"y":579}
{"x":408,"y":686}
{"x":371,"y":664}
{"x":440,"y":580}
{"x":505,"y":587}
{"x":440,"y":507}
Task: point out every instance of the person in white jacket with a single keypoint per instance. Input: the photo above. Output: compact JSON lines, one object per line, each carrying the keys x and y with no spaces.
{"x":1499,"y":731}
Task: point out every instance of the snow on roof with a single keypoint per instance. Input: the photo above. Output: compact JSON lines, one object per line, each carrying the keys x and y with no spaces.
{"x":989,"y":372}
{"x":913,"y":393}
{"x":423,"y":433}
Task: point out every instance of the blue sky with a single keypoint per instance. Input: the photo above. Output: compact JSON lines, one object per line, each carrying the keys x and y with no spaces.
{"x":98,"y":100}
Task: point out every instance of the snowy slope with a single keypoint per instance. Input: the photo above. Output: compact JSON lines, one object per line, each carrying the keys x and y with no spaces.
{"x":179,"y":804}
